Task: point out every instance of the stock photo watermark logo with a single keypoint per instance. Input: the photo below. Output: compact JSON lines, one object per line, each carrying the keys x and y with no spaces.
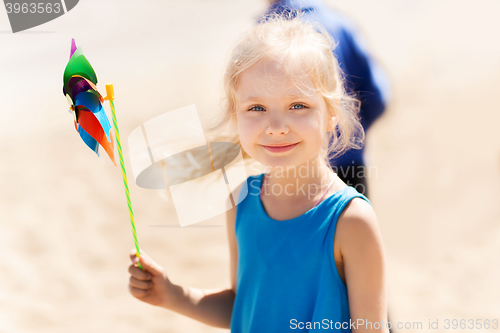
{"x":25,"y":14}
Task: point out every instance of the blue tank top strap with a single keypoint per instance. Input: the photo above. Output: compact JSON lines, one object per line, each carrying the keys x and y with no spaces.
{"x":346,"y":195}
{"x":250,"y":188}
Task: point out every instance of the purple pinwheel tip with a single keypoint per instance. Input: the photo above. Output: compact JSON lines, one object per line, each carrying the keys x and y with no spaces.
{"x":73,"y":47}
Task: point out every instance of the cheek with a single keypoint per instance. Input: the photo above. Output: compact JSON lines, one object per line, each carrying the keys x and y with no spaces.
{"x":311,"y":127}
{"x":248,"y":130}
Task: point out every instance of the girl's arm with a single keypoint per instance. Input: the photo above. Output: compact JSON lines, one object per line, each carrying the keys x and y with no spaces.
{"x":363,"y":256}
{"x":210,"y":306}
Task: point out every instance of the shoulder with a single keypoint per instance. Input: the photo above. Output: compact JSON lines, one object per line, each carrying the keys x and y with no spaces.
{"x":232,"y":212}
{"x":237,"y":192}
{"x":359,"y":212}
{"x":241,"y":189}
{"x":358,"y":227}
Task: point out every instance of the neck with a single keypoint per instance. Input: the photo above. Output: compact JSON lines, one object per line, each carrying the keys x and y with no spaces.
{"x":308,"y":179}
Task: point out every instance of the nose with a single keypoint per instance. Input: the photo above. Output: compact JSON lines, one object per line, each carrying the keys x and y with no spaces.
{"x":277,"y":125}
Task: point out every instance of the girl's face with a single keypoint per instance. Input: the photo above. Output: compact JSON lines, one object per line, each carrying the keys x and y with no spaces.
{"x":271,"y":110}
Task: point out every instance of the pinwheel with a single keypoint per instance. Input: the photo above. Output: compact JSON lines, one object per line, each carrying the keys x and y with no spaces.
{"x":90,"y":119}
{"x":86,"y":103}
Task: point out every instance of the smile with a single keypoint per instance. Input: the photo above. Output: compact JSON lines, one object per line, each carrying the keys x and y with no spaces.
{"x":281,"y":148}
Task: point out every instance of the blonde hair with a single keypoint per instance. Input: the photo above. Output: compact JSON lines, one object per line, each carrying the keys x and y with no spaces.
{"x":289,"y":41}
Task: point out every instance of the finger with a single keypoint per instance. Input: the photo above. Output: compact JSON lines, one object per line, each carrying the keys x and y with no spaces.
{"x":136,"y":283}
{"x":138,"y":293}
{"x":133,"y":256}
{"x":138,"y":273}
{"x":149,"y":265}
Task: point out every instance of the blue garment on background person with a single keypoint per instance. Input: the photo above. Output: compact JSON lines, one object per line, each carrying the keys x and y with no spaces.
{"x":286,"y":269}
{"x":363,"y":73}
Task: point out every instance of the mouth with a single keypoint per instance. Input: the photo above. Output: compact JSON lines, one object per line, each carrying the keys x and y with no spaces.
{"x":280,"y":148}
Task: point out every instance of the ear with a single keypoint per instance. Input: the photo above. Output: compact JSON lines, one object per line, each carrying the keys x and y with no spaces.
{"x":331,"y":123}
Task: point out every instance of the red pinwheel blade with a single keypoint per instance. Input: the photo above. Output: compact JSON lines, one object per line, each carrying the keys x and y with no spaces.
{"x":91,"y":125}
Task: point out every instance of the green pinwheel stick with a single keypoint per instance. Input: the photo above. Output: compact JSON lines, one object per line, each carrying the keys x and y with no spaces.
{"x":110,"y":96}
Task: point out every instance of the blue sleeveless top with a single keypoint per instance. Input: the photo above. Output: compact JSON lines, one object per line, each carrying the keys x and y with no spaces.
{"x":286,"y":278}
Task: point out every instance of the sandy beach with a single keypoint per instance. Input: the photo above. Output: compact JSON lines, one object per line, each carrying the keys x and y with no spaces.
{"x":64,"y":227}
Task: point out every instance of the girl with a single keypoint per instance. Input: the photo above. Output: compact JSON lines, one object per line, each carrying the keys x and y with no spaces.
{"x":306,"y":251}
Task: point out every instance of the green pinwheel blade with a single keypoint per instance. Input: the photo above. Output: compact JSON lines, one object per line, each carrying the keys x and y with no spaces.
{"x":78,"y":65}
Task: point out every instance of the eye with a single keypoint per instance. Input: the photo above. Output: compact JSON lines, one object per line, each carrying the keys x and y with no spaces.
{"x":298,"y":106}
{"x":257,"y":108}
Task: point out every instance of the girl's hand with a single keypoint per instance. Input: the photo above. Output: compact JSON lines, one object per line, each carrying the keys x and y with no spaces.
{"x":150,"y":285}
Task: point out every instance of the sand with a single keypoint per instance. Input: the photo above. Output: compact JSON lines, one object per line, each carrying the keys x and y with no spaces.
{"x":64,"y":228}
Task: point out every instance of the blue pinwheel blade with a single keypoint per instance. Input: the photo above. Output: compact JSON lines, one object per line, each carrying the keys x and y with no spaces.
{"x":91,"y":101}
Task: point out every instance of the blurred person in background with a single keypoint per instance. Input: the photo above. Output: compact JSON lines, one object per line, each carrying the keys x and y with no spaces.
{"x":364,"y":76}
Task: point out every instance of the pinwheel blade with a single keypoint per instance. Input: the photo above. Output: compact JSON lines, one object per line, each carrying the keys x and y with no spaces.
{"x":91,"y":101}
{"x":78,"y":65}
{"x":88,"y":121}
{"x":88,"y":139}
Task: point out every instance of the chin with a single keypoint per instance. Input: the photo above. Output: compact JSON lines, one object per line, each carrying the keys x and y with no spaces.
{"x":279,"y":162}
